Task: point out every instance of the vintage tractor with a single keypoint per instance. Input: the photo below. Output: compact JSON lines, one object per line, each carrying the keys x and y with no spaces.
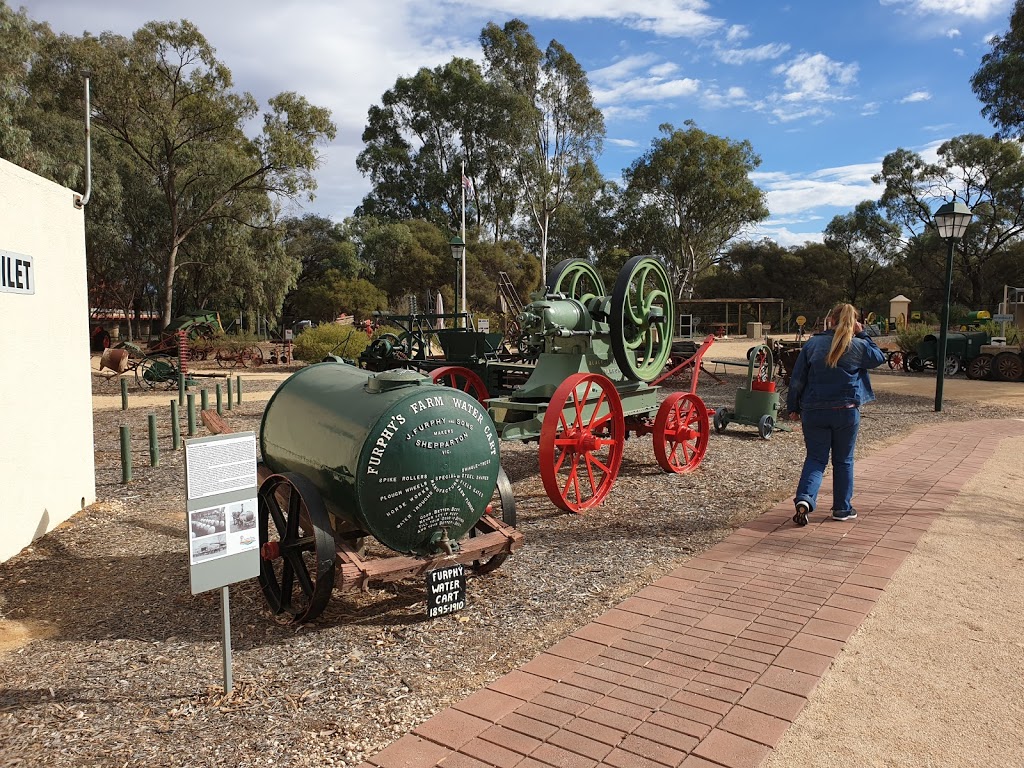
{"x":597,"y":356}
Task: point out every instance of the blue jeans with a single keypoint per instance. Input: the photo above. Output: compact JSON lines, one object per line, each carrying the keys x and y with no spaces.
{"x":829,"y":431}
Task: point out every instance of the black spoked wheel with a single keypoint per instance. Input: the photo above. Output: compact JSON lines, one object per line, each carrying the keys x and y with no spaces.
{"x":297,"y":550}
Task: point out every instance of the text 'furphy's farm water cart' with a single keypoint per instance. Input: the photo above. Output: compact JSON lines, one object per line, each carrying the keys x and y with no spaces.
{"x":349,"y":455}
{"x":599,"y":359}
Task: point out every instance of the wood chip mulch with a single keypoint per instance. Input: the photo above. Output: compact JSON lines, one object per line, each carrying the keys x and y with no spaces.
{"x":106,"y":659}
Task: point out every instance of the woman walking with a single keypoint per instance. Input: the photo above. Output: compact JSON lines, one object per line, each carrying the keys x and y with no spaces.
{"x":828,"y":385}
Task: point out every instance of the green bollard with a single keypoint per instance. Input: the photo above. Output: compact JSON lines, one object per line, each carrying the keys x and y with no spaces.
{"x":238,"y":386}
{"x":126,"y":454}
{"x":154,"y":447}
{"x":181,"y":389}
{"x":175,"y":427}
{"x":191,"y":396}
{"x":230,"y":393}
{"x":204,"y":399}
{"x":220,"y":411}
{"x":124,"y":394}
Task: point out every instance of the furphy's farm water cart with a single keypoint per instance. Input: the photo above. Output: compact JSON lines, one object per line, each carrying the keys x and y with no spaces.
{"x":347,"y":456}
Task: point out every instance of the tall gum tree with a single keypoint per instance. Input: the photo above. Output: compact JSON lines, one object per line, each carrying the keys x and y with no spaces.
{"x":688,"y":196}
{"x":560,"y":131}
{"x":999,"y":81}
{"x":985,"y":173}
{"x":169,"y":100}
{"x":867,"y":242}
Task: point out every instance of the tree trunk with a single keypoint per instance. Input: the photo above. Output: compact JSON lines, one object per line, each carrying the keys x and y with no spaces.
{"x":168,"y":297}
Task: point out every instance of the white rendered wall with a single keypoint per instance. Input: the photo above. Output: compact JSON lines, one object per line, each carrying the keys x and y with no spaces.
{"x":47,"y":469}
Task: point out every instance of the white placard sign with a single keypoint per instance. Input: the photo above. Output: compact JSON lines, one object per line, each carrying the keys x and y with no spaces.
{"x":221,"y":510}
{"x":17,"y":273}
{"x":220,"y":466}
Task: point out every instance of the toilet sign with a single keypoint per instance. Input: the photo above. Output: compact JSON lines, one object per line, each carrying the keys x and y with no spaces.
{"x":17,"y":273}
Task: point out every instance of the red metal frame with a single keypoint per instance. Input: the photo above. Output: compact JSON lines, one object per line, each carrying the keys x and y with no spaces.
{"x":695,"y":361}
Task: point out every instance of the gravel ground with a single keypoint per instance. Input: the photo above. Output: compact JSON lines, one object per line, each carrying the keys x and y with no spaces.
{"x":108,"y":660}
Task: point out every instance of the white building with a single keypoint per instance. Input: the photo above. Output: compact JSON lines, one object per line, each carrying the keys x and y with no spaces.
{"x":47,"y":470}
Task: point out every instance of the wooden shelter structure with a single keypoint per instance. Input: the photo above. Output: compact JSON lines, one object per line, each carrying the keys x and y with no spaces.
{"x":725,"y":317}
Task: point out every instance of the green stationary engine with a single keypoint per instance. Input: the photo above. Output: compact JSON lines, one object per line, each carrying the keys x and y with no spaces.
{"x":597,"y":355}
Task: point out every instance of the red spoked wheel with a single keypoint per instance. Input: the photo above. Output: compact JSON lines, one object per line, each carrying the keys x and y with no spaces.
{"x":461,"y":378}
{"x":581,"y":442}
{"x":681,"y":431}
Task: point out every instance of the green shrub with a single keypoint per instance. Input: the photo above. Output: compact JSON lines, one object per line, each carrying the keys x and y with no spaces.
{"x":234,"y":342}
{"x":910,"y":337}
{"x":314,"y":344}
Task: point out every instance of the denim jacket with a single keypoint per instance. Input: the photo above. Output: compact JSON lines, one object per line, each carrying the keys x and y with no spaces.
{"x":815,"y":386}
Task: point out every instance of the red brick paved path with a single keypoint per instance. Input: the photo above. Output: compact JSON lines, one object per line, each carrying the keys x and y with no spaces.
{"x":709,"y":666}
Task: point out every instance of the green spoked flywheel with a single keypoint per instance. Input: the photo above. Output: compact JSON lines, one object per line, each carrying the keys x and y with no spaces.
{"x":642,"y":316}
{"x":576,"y":279}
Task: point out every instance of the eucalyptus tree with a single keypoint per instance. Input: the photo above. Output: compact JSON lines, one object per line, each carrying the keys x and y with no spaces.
{"x":18,"y":44}
{"x":985,"y":173}
{"x":999,"y":81}
{"x":558,"y":131}
{"x":688,"y":196}
{"x":586,"y":226}
{"x":425,"y":130}
{"x":867,"y":242}
{"x":166,"y":97}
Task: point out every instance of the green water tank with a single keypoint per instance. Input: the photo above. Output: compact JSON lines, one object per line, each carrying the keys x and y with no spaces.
{"x":392,"y":454}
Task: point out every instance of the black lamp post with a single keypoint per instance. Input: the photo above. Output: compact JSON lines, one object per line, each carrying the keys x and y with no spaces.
{"x":459,"y":254}
{"x":951,"y":220}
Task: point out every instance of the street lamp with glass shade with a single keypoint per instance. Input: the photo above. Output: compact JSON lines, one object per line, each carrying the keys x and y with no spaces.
{"x":458,"y":247}
{"x":951,"y":221}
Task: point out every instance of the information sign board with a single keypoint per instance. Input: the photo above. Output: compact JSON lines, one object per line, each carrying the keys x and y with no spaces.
{"x":221,"y":510}
{"x":483,"y":325}
{"x":446,"y":590}
{"x":1003,"y":318}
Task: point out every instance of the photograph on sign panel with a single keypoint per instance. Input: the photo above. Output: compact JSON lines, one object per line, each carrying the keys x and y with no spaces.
{"x":206,"y":522}
{"x":242,"y":526}
{"x":209,"y":547}
{"x":242,"y":516}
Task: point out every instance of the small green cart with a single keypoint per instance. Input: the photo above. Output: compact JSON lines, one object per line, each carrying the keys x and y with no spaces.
{"x":757,"y":402}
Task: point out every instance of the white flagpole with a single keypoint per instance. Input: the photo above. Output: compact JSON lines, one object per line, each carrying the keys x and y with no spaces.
{"x":462,"y":183}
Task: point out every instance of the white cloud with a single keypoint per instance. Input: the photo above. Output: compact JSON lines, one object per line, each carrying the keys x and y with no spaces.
{"x":667,"y":18}
{"x":627,"y":143}
{"x":646,"y":89}
{"x":971,"y":9}
{"x":638,"y":78}
{"x":737,"y":32}
{"x":734,"y":96}
{"x":623,"y":68}
{"x":816,"y":77}
{"x":747,"y":55}
{"x":843,"y":187}
{"x":870,"y":108}
{"x":664,"y":70}
{"x":951,"y":33}
{"x":785,"y":236}
{"x":915,"y":97}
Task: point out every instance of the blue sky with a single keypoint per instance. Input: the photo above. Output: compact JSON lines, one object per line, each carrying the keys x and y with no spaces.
{"x":822,"y":89}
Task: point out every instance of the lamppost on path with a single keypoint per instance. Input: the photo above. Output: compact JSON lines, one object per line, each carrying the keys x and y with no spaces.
{"x":459,"y":254}
{"x":951,"y":220}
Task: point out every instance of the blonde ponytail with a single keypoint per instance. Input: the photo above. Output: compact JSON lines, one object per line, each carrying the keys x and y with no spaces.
{"x":844,"y":317}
